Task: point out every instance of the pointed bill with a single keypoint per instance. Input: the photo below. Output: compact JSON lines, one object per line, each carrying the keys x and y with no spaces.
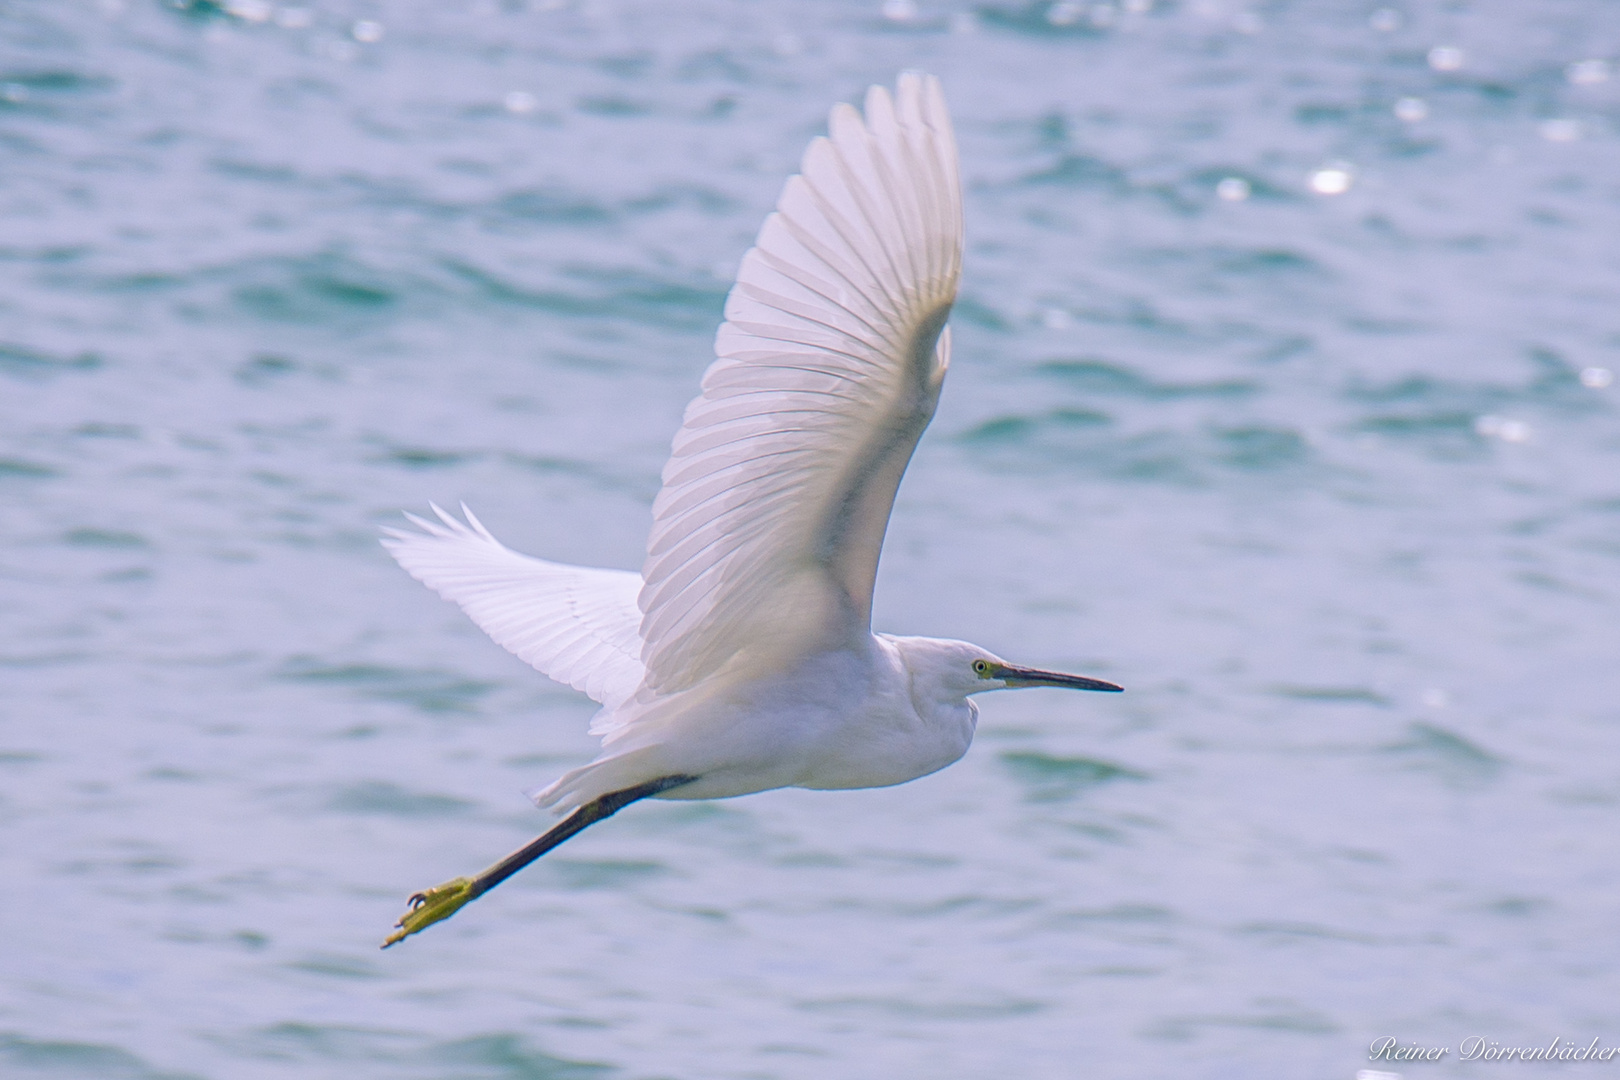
{"x":1017,"y":678}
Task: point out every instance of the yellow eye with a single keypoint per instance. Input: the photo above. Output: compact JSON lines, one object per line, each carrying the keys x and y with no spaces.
{"x":982,"y":668}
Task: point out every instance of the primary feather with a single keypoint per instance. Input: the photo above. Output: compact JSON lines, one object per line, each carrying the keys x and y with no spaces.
{"x":578,"y":624}
{"x":766,"y":534}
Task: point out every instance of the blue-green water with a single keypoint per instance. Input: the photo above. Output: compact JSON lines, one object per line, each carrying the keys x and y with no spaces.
{"x":1330,"y":481}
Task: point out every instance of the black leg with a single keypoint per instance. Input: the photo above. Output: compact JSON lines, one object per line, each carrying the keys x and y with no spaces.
{"x":443,"y":901}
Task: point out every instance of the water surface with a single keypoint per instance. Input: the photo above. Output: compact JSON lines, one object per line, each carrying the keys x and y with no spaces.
{"x":1331,"y":481}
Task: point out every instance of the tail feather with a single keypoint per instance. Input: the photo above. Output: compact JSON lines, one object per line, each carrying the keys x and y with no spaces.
{"x":607,"y":774}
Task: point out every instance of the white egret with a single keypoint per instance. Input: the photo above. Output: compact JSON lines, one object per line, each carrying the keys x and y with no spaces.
{"x":742,"y":658}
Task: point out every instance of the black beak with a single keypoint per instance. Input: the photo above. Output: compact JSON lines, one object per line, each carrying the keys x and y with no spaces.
{"x":1020,"y":677}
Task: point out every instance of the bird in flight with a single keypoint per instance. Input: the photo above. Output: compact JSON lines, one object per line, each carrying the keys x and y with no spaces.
{"x":741,"y":658}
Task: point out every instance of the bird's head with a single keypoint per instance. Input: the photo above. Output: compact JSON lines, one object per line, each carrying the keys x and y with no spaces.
{"x":960,"y":668}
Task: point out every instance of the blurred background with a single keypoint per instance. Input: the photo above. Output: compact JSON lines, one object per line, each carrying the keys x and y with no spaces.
{"x":1284,"y":394}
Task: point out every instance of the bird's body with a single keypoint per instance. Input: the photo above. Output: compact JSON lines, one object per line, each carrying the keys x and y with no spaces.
{"x":836,"y":718}
{"x":849,"y":709}
{"x":742,"y":658}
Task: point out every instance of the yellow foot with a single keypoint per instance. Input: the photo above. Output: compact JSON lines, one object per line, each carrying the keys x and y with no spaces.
{"x":427,"y":908}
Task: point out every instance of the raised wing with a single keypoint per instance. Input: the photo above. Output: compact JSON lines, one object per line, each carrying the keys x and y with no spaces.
{"x":577,"y":624}
{"x":767,"y":532}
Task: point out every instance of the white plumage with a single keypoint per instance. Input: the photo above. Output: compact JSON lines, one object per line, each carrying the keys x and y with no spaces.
{"x":578,"y":624}
{"x":742,"y":657}
{"x":778,"y":490}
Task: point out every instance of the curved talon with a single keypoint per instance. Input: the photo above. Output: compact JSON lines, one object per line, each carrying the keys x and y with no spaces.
{"x":431,"y":906}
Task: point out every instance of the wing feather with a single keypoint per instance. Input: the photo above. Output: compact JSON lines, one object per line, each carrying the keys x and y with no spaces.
{"x":578,"y":624}
{"x":767,"y":532}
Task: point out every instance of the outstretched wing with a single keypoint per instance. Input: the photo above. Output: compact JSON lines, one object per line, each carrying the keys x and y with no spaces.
{"x":776,"y":497}
{"x":577,"y":624}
